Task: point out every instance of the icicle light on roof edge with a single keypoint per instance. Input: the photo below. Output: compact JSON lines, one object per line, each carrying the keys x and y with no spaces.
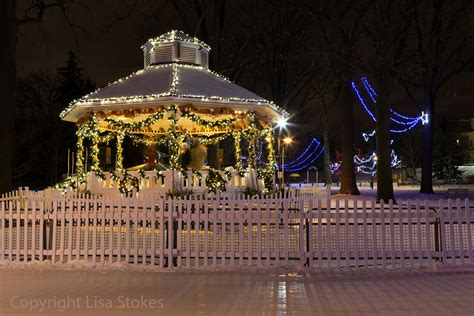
{"x":170,"y":93}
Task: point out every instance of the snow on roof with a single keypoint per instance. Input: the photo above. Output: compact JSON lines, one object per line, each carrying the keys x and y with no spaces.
{"x":170,"y":80}
{"x":173,"y":80}
{"x":174,"y":35}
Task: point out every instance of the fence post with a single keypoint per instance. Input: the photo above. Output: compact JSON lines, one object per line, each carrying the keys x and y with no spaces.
{"x":437,"y":232}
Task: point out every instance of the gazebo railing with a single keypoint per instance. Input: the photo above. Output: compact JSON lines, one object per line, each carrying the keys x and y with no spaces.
{"x":168,"y":180}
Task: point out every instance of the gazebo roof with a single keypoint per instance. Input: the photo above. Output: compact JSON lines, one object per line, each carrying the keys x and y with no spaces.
{"x":166,"y":80}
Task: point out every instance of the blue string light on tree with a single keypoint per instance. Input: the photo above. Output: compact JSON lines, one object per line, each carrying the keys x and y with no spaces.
{"x":400,"y":124}
{"x":305,"y":160}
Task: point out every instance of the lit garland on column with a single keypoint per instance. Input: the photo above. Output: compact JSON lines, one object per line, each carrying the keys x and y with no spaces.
{"x":238,"y":154}
{"x":252,"y":164}
{"x":173,"y":139}
{"x":80,"y":157}
{"x":268,"y":172}
{"x":95,"y":167}
{"x":119,"y":157}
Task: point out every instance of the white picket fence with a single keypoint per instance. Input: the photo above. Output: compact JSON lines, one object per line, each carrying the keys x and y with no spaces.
{"x":237,"y":232}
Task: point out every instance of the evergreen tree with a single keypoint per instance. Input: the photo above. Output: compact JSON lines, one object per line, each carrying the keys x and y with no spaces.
{"x":41,"y":153}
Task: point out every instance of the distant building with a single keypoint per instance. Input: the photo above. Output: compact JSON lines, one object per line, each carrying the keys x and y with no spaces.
{"x":464,"y":136}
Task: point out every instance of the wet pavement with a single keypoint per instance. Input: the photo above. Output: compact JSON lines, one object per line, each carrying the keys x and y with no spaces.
{"x":84,"y":292}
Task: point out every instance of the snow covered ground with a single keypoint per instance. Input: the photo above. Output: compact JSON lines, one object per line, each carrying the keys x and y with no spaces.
{"x":404,"y":193}
{"x":29,"y":291}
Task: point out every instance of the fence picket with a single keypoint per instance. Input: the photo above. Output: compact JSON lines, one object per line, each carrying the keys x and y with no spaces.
{"x":197,"y":230}
{"x":78,"y":229}
{"x":451,"y":232}
{"x":95,"y":211}
{"x":365,"y":234}
{"x":346,"y":234}
{"x":320,"y":234}
{"x":33,"y":230}
{"x":460,"y":229}
{"x":410,"y":234}
{"x":267,"y":232}
{"x":241,"y":219}
{"x":301,"y":239}
{"x":86,"y":228}
{"x":144,"y":216}
{"x":418,"y":228}
{"x":393,"y":262}
{"x":41,"y":231}
{"x":3,"y":227}
{"x":53,"y":225}
{"x":443,"y":231}
{"x":468,"y":215}
{"x":169,"y":232}
{"x":152,"y":232}
{"x":17,"y":231}
{"x":400,"y":232}
{"x":309,"y":242}
{"x":337,"y":236}
{"x":356,"y":234}
{"x":25,"y":230}
{"x":179,"y":218}
{"x":249,"y":232}
{"x":383,"y":234}
{"x":374,"y":234}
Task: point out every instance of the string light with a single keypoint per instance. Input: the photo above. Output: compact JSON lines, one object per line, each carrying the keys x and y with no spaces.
{"x":88,"y":100}
{"x":240,"y":125}
{"x":304,"y":157}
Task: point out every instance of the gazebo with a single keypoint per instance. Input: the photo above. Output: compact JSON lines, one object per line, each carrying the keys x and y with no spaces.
{"x":177,"y":103}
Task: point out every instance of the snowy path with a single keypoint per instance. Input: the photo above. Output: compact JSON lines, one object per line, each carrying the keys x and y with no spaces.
{"x":219,"y":293}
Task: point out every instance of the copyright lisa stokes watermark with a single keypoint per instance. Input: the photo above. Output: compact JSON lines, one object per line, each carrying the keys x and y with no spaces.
{"x":84,"y":302}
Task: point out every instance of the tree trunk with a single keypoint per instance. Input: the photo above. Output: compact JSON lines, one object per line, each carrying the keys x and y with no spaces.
{"x":382,"y":139}
{"x":7,"y":90}
{"x":427,"y":157}
{"x":348,"y":181}
{"x":327,"y":150}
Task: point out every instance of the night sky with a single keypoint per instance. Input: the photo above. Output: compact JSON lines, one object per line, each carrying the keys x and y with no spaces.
{"x":110,"y":52}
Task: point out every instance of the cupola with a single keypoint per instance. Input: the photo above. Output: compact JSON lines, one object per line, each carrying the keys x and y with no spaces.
{"x":175,"y":47}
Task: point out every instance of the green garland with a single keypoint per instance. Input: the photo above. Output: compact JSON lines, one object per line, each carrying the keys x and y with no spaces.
{"x":174,"y":138}
{"x":215,"y":181}
{"x":211,"y":124}
{"x":127,"y":182}
{"x":119,"y":155}
{"x":150,"y":120}
{"x":212,"y":140}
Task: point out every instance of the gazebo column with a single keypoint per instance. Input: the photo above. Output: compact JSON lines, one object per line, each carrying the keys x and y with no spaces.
{"x":119,"y":155}
{"x":269,"y":172}
{"x":95,"y":166}
{"x":252,"y":163}
{"x":80,"y":156}
{"x":271,"y":152}
{"x":238,"y":157}
{"x":174,"y":146}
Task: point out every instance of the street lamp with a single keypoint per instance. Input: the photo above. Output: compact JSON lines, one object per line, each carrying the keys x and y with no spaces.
{"x":282,"y":123}
{"x":286,"y":141}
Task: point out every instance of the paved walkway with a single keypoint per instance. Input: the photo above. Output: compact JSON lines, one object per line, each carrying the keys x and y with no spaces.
{"x":146,"y":293}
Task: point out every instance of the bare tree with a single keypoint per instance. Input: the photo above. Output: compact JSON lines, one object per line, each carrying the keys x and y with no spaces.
{"x":444,"y":48}
{"x":9,"y":25}
{"x":342,"y":32}
{"x":387,"y":26}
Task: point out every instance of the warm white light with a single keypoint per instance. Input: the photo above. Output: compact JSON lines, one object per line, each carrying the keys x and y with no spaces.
{"x":282,"y":122}
{"x":287,"y":140}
